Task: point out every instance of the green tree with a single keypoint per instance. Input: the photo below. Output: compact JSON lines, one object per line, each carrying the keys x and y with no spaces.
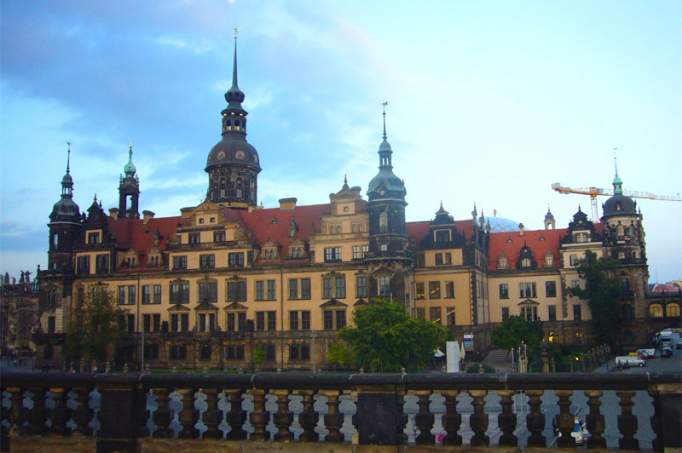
{"x":385,"y":338}
{"x":602,"y":291}
{"x":340,"y":356}
{"x":515,"y":330}
{"x":258,"y":356}
{"x":93,"y":328}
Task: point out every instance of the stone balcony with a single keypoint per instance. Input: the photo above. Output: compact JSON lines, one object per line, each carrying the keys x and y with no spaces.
{"x":336,"y":412}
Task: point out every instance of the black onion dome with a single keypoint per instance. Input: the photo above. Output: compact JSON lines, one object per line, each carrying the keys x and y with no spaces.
{"x":233,"y":150}
{"x":619,"y":204}
{"x":65,"y":210}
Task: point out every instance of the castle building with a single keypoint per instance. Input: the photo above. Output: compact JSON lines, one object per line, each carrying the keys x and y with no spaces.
{"x":228,"y":283}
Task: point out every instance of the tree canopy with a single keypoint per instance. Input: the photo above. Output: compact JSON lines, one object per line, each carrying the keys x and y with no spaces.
{"x":93,"y":327}
{"x":602,"y":291}
{"x":385,"y":338}
{"x":515,"y":330}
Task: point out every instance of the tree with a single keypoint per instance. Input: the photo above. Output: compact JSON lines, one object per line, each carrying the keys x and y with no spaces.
{"x":515,"y":330}
{"x":602,"y":290}
{"x":385,"y":338}
{"x":93,"y":328}
{"x":340,"y":356}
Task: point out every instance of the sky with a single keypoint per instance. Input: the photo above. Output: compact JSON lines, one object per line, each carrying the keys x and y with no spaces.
{"x":489,"y":103}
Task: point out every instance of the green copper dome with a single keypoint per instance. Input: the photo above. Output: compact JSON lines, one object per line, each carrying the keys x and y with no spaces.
{"x":129,"y":168}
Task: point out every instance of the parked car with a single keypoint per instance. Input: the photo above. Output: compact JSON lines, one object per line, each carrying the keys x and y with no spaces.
{"x":627,"y":361}
{"x":646,"y":353}
{"x":667,"y":351}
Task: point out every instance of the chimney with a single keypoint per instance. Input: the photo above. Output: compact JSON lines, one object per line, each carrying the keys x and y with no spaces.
{"x":146,"y":216}
{"x":113,"y":213}
{"x":287,"y":204}
{"x":522,"y":229}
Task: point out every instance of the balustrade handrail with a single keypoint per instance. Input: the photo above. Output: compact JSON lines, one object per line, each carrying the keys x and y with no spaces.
{"x":343,"y":381}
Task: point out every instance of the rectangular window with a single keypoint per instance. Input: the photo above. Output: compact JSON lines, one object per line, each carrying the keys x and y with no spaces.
{"x":439,"y":259}
{"x":420,"y":313}
{"x":505,"y":313}
{"x":93,"y":238}
{"x":147,"y":323}
{"x":207,"y":262}
{"x":83,"y":264}
{"x":236,"y":291}
{"x":293,"y":288}
{"x":219,"y":236}
{"x":357,"y":252}
{"x":384,"y":285}
{"x":269,"y":352}
{"x":235,"y":260}
{"x":449,"y":290}
{"x":551,"y":312}
{"x":132,"y":300}
{"x":179,"y":262}
{"x":194,"y":238}
{"x":146,"y":294}
{"x":527,"y":290}
{"x":572,"y":260}
{"x":293,"y":320}
{"x":305,"y":288}
{"x":156,"y":322}
{"x":102,"y":264}
{"x":305,"y":320}
{"x":121,"y":295}
{"x":550,"y":289}
{"x":208,"y":291}
{"x":435,"y":314}
{"x":447,"y":258}
{"x":575,"y":283}
{"x":231,"y":325}
{"x":450,"y":316}
{"x":51,"y":324}
{"x":156,"y":295}
{"x":529,"y":313}
{"x":332,"y":254}
{"x":184,"y":322}
{"x":361,"y":286}
{"x":504,"y":291}
{"x":260,"y":290}
{"x":340,"y":319}
{"x":179,"y":292}
{"x":577,"y":313}
{"x":434,"y":290}
{"x":130,"y":323}
{"x":272,"y":320}
{"x":260,"y":320}
{"x":442,"y":236}
{"x":419,"y":290}
{"x":328,"y":320}
{"x":241,"y":322}
{"x":271,"y":290}
{"x":201,"y":322}
{"x":327,"y":288}
{"x":340,"y":287}
{"x":419,"y":260}
{"x":175,"y":323}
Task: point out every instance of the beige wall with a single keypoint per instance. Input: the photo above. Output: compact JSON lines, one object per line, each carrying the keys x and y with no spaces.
{"x":512,"y":303}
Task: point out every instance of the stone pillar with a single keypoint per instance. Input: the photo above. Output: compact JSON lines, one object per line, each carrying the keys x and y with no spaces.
{"x":667,"y":416}
{"x":119,"y":416}
{"x":378,"y":415}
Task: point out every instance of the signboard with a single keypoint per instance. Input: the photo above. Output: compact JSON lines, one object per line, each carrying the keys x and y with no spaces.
{"x":468,"y":341}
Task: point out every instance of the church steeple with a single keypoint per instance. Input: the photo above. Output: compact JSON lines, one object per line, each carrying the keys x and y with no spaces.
{"x":385,"y":150}
{"x":67,"y":181}
{"x":617,"y":182}
{"x":129,"y":187}
{"x":234,"y":95}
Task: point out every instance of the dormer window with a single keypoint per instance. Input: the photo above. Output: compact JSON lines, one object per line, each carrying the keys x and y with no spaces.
{"x":93,"y":238}
{"x":269,"y":253}
{"x":582,"y":237}
{"x":525,"y":263}
{"x":502,"y":262}
{"x":296,"y":252}
{"x":441,"y":236}
{"x":154,"y":260}
{"x":549,"y":260}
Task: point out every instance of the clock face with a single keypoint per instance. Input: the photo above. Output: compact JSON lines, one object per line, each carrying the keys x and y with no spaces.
{"x":221,"y":155}
{"x":382,"y":192}
{"x":239,"y":155}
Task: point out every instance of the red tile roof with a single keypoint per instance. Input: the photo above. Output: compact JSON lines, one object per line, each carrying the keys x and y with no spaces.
{"x":509,"y":244}
{"x":419,"y":230}
{"x":135,"y":234}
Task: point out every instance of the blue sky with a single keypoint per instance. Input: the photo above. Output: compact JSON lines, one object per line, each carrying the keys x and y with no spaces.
{"x":489,"y":102}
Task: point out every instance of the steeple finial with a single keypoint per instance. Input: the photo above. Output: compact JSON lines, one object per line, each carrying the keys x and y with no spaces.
{"x":68,"y":157}
{"x":617,"y":182}
{"x":345,"y":181}
{"x":234,"y":62}
{"x":384,"y":104}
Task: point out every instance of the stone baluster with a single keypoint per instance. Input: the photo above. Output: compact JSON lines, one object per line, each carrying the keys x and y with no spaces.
{"x":283,"y":417}
{"x":566,"y":420}
{"x":237,"y":415}
{"x":58,"y":414}
{"x":595,"y":420}
{"x":82,"y":413}
{"x":308,"y":418}
{"x":162,"y":415}
{"x":535,"y":420}
{"x":211,"y":415}
{"x":402,"y":417}
{"x":187,"y":414}
{"x":656,"y":420}
{"x":16,"y":410}
{"x":627,"y":422}
{"x":451,"y":419}
{"x":424,"y":418}
{"x":258,"y":417}
{"x":479,"y":419}
{"x":507,"y":418}
{"x":334,"y":419}
{"x":36,"y":416}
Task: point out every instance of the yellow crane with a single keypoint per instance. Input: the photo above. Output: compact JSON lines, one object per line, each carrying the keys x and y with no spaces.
{"x":594,"y":192}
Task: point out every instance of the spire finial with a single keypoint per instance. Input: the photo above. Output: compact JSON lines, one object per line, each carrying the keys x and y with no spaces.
{"x":130,"y":152}
{"x":384,"y":104}
{"x":234,"y":62}
{"x":617,"y":182}
{"x":615,"y":160}
{"x":95,"y":198}
{"x":441,"y":204}
{"x":68,"y":157}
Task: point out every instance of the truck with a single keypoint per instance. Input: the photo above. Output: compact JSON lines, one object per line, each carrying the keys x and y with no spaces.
{"x":626,"y":361}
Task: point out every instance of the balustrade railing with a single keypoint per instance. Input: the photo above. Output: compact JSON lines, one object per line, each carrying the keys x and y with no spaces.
{"x":123,"y":411}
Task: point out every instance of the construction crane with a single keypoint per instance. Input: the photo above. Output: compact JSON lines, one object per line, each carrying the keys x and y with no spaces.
{"x":594,"y":192}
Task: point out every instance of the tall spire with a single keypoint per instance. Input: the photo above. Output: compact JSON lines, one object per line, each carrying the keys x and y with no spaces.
{"x":384,"y":104}
{"x":234,"y":95}
{"x":68,"y":158}
{"x":67,"y":180}
{"x":385,"y":148}
{"x":234,"y":61}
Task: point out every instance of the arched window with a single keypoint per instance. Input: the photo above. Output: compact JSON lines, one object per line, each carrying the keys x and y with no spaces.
{"x":656,"y":311}
{"x":672,"y":310}
{"x":383,"y":222}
